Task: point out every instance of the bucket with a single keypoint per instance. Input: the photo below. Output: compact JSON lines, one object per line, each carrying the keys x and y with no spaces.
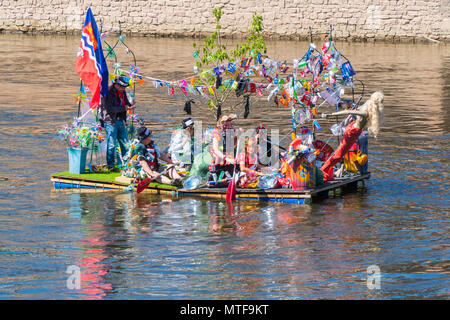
{"x":350,"y":159}
{"x":77,"y":160}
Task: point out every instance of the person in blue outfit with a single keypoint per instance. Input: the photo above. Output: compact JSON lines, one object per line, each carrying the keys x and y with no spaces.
{"x":114,"y":117}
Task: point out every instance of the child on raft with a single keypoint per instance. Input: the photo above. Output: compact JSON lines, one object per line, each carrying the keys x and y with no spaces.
{"x":223,"y":163}
{"x":249,"y":165}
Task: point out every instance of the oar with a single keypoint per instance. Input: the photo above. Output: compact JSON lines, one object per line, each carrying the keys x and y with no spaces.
{"x":231,"y":191}
{"x":143,"y":184}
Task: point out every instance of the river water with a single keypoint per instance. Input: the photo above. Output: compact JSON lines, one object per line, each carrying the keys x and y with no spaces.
{"x":132,"y":246}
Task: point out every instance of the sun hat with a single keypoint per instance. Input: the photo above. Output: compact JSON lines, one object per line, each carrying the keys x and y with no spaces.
{"x":187,"y":123}
{"x":122,"y":81}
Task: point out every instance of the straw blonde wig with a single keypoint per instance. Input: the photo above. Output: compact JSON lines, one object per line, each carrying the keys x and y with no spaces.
{"x":374,"y":109}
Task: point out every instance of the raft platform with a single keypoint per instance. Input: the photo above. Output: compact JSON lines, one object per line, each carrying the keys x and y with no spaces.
{"x":107,"y":182}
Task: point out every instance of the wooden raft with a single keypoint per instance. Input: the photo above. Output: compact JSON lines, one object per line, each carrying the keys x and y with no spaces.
{"x":325,"y":190}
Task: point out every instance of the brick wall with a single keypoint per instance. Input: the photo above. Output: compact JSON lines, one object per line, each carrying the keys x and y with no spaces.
{"x":351,"y":19}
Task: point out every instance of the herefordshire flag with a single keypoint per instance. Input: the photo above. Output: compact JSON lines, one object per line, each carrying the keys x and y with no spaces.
{"x":90,"y":63}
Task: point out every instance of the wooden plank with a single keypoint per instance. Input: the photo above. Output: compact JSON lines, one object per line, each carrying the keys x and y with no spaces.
{"x":103,"y":185}
{"x":97,"y":183}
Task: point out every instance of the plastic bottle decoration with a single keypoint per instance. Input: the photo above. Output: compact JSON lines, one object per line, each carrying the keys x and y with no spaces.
{"x":245,"y":63}
{"x":259,"y":58}
{"x":316,"y":124}
{"x":231,"y":67}
{"x":134,"y":69}
{"x":299,"y":117}
{"x":284,"y":67}
{"x":330,"y":96}
{"x":337,"y":130}
{"x":285,"y":98}
{"x":272,"y":93}
{"x":302,"y":63}
{"x":306,"y":99}
{"x":347,"y":70}
{"x":264,"y":71}
{"x":251,"y":87}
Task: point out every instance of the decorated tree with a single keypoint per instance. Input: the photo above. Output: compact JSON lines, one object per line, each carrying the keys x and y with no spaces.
{"x":224,"y":74}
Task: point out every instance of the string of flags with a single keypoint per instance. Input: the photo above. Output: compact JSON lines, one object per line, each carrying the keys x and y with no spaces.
{"x":304,"y":85}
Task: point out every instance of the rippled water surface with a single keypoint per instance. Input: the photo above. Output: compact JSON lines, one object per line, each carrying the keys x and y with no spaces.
{"x":138,"y":246}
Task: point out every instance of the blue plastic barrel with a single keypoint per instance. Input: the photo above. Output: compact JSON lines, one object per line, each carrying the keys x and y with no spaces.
{"x":363,"y":143}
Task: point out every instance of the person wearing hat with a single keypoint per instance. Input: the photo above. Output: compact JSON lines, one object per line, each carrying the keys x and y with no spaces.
{"x":221,"y":160}
{"x":113,"y":115}
{"x":181,"y":149}
{"x":148,"y":156}
{"x":224,"y":126}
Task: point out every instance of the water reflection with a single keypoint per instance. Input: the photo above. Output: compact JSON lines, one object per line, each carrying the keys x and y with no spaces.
{"x":245,"y":239}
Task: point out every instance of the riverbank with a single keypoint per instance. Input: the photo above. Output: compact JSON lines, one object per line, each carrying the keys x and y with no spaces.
{"x":389,"y":21}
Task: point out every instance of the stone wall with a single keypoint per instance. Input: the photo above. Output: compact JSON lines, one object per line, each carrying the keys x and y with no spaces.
{"x":290,"y":19}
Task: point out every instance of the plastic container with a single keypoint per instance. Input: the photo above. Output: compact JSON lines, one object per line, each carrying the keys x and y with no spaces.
{"x":337,"y":130}
{"x":364,"y":147}
{"x":268,"y":182}
{"x":350,"y":159}
{"x":77,"y":160}
{"x":192,"y":182}
{"x":347,"y":70}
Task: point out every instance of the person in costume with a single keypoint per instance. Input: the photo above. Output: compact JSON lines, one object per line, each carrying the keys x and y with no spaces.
{"x":148,"y":158}
{"x":248,"y":164}
{"x":370,"y":114}
{"x":223,"y":161}
{"x":113,"y":115}
{"x":181,"y":148}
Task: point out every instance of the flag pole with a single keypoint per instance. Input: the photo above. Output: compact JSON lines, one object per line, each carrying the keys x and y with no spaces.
{"x":79,"y":100}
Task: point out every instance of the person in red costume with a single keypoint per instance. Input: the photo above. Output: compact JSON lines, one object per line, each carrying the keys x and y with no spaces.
{"x":371,"y":114}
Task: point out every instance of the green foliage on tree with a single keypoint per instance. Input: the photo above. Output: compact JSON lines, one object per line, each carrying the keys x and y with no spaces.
{"x":214,"y":52}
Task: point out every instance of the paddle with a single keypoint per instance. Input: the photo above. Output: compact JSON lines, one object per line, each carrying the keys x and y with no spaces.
{"x":231,"y":191}
{"x":143,"y":184}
